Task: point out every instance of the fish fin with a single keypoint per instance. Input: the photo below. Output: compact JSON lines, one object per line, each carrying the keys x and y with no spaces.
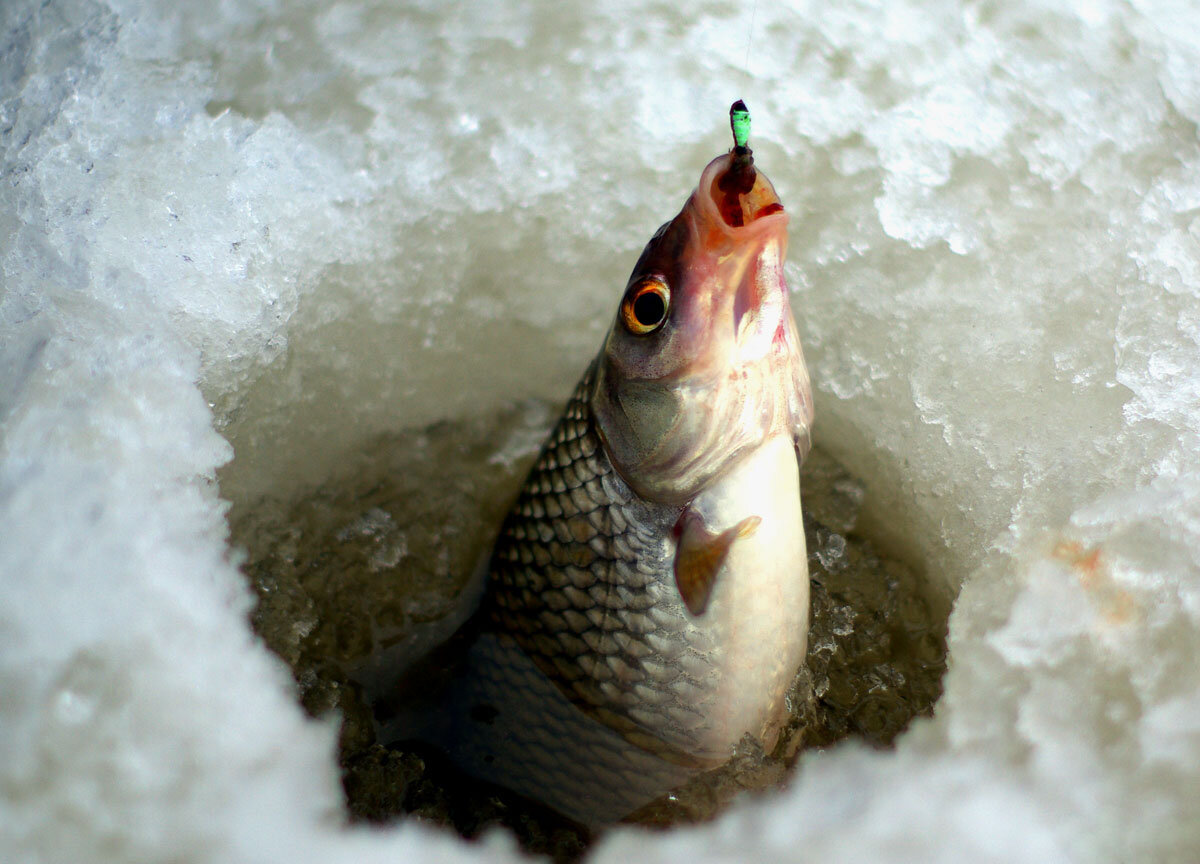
{"x":700,"y":554}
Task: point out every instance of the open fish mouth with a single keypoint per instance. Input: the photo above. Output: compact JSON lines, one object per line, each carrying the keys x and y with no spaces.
{"x":741,"y":194}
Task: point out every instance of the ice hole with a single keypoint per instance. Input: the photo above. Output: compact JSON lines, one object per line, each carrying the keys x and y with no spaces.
{"x":366,"y":570}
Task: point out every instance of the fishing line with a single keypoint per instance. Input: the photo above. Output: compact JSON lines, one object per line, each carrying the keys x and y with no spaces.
{"x":749,"y":40}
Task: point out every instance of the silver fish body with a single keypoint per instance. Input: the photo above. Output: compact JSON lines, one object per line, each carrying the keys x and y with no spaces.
{"x":647,"y":605}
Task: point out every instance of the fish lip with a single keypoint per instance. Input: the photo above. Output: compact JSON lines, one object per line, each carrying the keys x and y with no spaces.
{"x":707,"y":207}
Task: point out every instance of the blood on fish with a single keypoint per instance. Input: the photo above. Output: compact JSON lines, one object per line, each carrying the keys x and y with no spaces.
{"x":733,"y":184}
{"x":741,"y":195}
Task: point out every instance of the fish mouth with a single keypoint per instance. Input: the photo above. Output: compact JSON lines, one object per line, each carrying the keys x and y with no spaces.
{"x":741,"y":221}
{"x":736,"y":196}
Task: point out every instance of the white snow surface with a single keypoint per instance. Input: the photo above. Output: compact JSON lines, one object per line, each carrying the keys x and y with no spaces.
{"x":281,"y":228}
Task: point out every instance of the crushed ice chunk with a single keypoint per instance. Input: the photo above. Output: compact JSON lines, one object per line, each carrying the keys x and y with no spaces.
{"x":831,"y":551}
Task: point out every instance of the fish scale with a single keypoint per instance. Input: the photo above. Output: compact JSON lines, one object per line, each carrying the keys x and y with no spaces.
{"x":600,"y":776}
{"x":597,"y":655}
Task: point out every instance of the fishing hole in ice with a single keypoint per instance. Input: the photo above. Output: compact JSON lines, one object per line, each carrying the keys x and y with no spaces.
{"x":367,"y":564}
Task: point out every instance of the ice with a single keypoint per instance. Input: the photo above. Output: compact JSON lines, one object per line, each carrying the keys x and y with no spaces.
{"x":274,"y":232}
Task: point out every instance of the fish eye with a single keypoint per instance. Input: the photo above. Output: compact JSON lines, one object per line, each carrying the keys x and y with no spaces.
{"x":645,"y":306}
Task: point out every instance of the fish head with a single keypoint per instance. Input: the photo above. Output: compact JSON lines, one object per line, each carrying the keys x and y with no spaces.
{"x":703,"y":363}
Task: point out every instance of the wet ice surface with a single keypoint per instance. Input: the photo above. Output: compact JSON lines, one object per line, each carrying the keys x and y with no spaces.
{"x":349,"y":600}
{"x":274,"y":232}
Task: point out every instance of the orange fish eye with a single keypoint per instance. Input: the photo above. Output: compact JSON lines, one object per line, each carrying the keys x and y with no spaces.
{"x":645,"y":306}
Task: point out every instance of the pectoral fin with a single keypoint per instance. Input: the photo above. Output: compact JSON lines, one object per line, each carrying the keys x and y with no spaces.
{"x":700,"y":554}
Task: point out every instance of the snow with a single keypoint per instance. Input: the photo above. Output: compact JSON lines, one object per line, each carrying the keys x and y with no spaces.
{"x":272,"y":231}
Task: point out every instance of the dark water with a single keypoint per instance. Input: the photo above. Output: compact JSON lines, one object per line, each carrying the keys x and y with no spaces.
{"x":368,"y":572}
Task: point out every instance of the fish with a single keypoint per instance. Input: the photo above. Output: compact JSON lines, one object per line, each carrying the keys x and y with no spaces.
{"x":647,"y":601}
